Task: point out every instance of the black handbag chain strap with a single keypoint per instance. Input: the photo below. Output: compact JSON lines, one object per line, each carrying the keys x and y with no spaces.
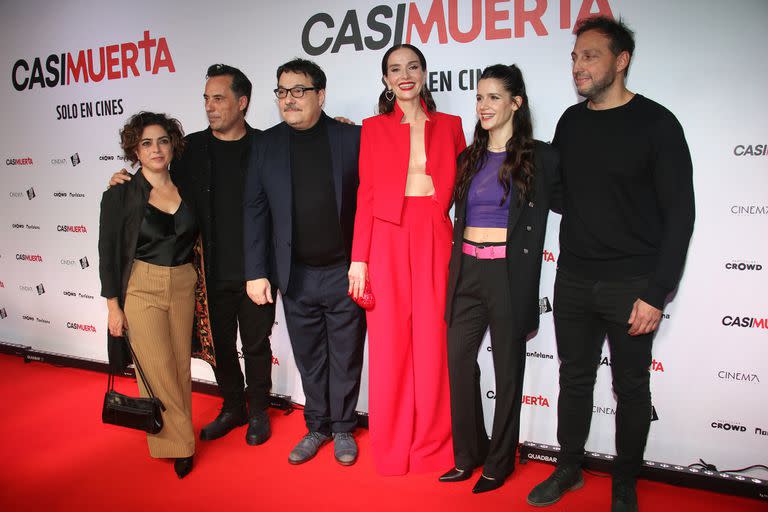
{"x":111,"y":380}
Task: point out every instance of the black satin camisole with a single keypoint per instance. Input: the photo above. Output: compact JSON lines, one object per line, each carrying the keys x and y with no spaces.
{"x":166,"y":239}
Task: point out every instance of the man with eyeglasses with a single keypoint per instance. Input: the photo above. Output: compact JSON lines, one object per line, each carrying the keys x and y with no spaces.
{"x":299,"y":210}
{"x":212,"y":168}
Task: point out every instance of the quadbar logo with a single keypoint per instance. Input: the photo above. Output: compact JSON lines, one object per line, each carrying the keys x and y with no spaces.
{"x":743,"y":265}
{"x":29,"y":257}
{"x":31,"y":193}
{"x":387,"y":25}
{"x":751,"y":150}
{"x":728,"y":426}
{"x":738,"y":376}
{"x":544,"y":306}
{"x":114,"y":62}
{"x":749,"y":209}
{"x":75,"y":159}
{"x":19,"y":161}
{"x":745,"y":321}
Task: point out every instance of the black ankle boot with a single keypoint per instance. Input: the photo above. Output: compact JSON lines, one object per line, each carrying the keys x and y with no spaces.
{"x":182,"y":466}
{"x":227,"y":420}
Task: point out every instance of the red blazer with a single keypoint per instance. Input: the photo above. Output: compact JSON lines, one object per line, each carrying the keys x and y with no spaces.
{"x":385,"y":146}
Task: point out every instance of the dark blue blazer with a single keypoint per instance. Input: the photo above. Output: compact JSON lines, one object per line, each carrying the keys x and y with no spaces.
{"x":268,"y":198}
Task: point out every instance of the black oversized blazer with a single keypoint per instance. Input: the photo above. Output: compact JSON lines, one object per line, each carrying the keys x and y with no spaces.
{"x":526,"y":229}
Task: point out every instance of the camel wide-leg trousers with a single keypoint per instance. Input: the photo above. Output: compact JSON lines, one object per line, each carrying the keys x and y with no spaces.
{"x":409,"y":401}
{"x":159,"y":306}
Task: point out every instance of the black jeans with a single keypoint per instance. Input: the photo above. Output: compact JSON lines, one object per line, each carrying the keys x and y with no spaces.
{"x":482,"y":299}
{"x":585,"y":312}
{"x":230,"y":306}
{"x":327,"y":329}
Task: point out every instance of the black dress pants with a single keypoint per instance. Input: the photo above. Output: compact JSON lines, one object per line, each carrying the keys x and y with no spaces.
{"x":482,"y":299}
{"x":230,"y":306}
{"x":327,"y":329}
{"x":585,"y":312}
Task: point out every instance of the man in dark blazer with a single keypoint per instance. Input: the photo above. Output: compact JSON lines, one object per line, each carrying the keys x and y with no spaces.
{"x":299,"y":210}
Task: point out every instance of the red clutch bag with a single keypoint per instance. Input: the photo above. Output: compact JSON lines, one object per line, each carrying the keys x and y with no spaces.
{"x":366,"y":300}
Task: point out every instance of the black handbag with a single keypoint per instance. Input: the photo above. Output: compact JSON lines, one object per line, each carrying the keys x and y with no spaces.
{"x":127,"y":411}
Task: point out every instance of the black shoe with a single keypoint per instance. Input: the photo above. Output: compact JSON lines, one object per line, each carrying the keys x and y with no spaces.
{"x":258,"y":429}
{"x":227,"y":420}
{"x":623,"y":495}
{"x":183,"y":466}
{"x":485,"y":484}
{"x":456,"y":475}
{"x":563,"y":479}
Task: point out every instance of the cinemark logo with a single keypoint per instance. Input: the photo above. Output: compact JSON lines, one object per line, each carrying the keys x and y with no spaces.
{"x":19,"y":161}
{"x":113,"y":62}
{"x":81,"y":327}
{"x":386,"y":25}
{"x":71,"y":229}
{"x":540,"y":401}
{"x":751,"y":150}
{"x":745,"y":321}
{"x":29,"y":257}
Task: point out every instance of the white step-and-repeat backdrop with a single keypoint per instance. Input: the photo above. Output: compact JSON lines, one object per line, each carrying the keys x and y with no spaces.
{"x":74,"y":71}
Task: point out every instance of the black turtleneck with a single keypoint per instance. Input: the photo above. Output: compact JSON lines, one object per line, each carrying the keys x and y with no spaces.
{"x":317,"y":238}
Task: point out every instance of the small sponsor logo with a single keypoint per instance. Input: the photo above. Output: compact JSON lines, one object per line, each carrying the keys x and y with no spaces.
{"x":71,"y":229}
{"x":738,"y":376}
{"x":3,"y":314}
{"x":75,"y":159}
{"x":40,"y":289}
{"x":539,"y":355}
{"x":749,"y":209}
{"x":743,"y":265}
{"x":543,"y":458}
{"x":544,"y":305}
{"x":758,"y":430}
{"x":751,"y":150}
{"x":84,"y":262}
{"x":728,"y":426}
{"x":68,"y":195}
{"x":656,"y":366}
{"x":58,"y":161}
{"x":31,"y":193}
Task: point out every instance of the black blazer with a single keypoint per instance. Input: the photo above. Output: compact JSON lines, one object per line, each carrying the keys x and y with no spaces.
{"x":268,"y":208}
{"x":192,"y":174}
{"x":526,"y":228}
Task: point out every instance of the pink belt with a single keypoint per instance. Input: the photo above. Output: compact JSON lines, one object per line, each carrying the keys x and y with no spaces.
{"x":492,"y":252}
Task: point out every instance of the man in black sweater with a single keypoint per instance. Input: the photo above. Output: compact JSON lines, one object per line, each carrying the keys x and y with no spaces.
{"x":627,"y":220}
{"x":212,"y":168}
{"x":300,"y":200}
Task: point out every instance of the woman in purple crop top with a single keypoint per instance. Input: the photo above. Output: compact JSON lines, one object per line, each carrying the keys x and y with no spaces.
{"x":506,"y":184}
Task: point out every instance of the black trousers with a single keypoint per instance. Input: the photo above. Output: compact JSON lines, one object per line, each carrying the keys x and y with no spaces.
{"x":482,"y":299}
{"x":585,"y":312}
{"x":229,"y":306}
{"x":326,"y":328}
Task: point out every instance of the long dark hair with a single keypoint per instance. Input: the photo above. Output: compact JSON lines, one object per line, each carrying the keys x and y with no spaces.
{"x":518,"y":167}
{"x":386,"y":106}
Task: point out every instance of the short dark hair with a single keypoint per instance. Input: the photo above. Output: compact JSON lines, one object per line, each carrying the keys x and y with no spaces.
{"x":387,"y":105}
{"x":306,"y":67}
{"x":622,"y":38}
{"x":241,"y":86}
{"x":130,"y":134}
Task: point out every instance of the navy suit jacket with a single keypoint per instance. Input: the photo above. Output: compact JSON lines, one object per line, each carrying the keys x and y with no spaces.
{"x":268,"y":198}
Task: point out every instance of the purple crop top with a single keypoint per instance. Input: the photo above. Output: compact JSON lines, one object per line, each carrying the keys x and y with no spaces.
{"x":485,"y":193}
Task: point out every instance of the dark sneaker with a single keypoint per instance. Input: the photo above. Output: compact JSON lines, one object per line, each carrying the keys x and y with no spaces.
{"x":225,"y":422}
{"x":307,"y":447}
{"x":623,"y":496}
{"x":344,"y":448}
{"x":562,"y":479}
{"x":259,"y":429}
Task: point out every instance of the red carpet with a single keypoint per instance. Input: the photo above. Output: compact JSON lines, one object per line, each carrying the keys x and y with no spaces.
{"x":57,"y":455}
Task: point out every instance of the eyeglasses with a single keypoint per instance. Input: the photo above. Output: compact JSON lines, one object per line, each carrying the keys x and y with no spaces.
{"x":296,"y":92}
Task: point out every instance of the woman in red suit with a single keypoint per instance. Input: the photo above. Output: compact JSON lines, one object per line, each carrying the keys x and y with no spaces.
{"x":402,"y":245}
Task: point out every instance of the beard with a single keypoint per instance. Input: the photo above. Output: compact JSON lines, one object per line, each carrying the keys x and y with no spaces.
{"x":597,"y":87}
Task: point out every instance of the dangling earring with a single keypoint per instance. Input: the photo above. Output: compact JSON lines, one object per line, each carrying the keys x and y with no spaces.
{"x":389,"y":94}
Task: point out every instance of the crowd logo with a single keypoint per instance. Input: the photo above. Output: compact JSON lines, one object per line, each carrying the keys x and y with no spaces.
{"x":75,"y":159}
{"x":386,"y":25}
{"x":728,"y":426}
{"x":745,"y":321}
{"x":738,"y":376}
{"x":749,"y":209}
{"x":751,"y":150}
{"x":113,"y":62}
{"x":27,"y":160}
{"x":544,"y":306}
{"x":743,"y":265}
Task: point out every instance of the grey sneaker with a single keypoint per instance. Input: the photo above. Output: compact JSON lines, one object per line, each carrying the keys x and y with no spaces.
{"x":307,"y":447}
{"x":344,"y":448}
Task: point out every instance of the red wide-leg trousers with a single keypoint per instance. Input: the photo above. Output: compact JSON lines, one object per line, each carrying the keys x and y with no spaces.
{"x":409,"y":401}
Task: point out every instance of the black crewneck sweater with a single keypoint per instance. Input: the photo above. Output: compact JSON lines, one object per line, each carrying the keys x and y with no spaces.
{"x":629,"y":205}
